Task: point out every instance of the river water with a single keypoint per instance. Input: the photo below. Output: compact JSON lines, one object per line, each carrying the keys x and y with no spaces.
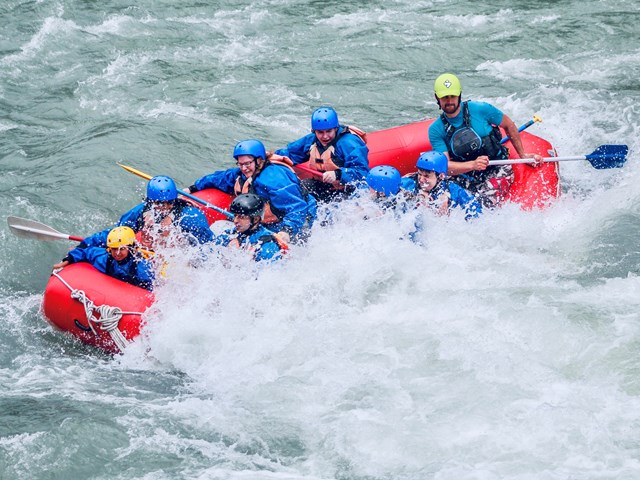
{"x":504,"y":348}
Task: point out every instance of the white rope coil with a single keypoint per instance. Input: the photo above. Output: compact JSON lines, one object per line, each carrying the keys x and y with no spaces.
{"x":109,"y":317}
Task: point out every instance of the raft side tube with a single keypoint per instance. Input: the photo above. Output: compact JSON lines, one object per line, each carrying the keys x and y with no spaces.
{"x":68,"y":314}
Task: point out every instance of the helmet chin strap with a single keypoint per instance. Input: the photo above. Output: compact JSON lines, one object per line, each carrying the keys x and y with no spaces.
{"x":255,"y":223}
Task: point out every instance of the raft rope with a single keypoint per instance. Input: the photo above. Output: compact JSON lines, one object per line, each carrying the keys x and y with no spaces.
{"x":109,"y":316}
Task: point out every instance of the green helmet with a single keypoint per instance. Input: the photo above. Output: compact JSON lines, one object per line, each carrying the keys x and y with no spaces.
{"x":447,"y":84}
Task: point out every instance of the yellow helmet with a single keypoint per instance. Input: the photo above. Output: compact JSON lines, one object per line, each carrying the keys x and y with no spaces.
{"x":121,"y":237}
{"x":447,"y":84}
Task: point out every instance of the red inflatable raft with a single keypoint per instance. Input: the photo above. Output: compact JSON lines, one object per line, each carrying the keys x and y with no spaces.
{"x":107,"y":313}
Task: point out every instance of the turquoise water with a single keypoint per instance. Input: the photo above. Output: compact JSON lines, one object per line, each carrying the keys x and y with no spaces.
{"x":502,"y":349}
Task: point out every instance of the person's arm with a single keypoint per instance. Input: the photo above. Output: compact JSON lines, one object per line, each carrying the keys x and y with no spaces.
{"x":268,"y":251}
{"x":194,"y":222}
{"x":98,"y":239}
{"x":96,"y":256}
{"x":298,"y":150}
{"x":74,"y":255}
{"x":512,"y":132}
{"x":356,"y":159}
{"x":282,"y":190}
{"x":222,"y":180}
{"x":289,"y":199}
{"x":457,"y":168}
{"x":462,"y":198}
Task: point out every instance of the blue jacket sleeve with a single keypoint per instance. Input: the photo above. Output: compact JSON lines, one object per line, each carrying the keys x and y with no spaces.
{"x":355,"y":154}
{"x":96,"y":256}
{"x":193,"y":221}
{"x":461,"y":198}
{"x":144,"y":275}
{"x":132,"y":218}
{"x":298,"y":151}
{"x":224,"y":238}
{"x":410,"y":185}
{"x":222,"y":180}
{"x":98,"y":239}
{"x":281,"y":188}
{"x":268,"y":251}
{"x":128,"y":219}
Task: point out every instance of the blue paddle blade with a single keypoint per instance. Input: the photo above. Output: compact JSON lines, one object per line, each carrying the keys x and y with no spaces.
{"x":608,"y":156}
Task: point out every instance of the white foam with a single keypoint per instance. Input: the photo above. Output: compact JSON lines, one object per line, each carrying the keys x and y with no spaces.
{"x":51,"y":27}
{"x":356,"y":336}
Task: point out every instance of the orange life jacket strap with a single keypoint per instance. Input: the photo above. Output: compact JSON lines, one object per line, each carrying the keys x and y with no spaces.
{"x":359,"y":133}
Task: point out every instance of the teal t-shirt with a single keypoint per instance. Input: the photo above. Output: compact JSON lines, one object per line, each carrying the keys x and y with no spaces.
{"x":482,"y":116}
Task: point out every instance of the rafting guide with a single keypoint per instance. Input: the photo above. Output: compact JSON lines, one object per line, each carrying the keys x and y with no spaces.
{"x":468,"y":134}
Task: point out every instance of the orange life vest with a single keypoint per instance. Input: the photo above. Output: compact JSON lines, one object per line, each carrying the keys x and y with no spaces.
{"x":323,"y":162}
{"x":247,"y":186}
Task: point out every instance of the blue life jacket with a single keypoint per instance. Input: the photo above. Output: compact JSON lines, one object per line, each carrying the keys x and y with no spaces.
{"x":459,"y":197}
{"x":260,"y":242}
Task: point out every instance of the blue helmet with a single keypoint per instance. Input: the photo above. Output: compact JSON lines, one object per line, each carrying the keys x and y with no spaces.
{"x":384,"y":179}
{"x":433,"y":161}
{"x":324,"y":118}
{"x":161,"y":189}
{"x":255,"y":148}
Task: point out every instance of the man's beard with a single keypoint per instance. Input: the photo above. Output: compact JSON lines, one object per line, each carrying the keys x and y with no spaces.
{"x":450,"y":107}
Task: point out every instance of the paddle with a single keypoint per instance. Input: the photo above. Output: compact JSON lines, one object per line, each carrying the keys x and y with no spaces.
{"x":146,"y":176}
{"x":309,"y":170}
{"x":603,"y":157}
{"x":524,"y":126}
{"x":25,"y":228}
{"x":36,"y":230}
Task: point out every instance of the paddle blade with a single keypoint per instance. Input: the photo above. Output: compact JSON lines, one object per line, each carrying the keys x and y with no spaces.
{"x":608,"y":156}
{"x":26,"y":228}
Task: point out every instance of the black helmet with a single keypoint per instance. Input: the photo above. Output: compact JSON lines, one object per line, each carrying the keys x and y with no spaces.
{"x":248,"y":204}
